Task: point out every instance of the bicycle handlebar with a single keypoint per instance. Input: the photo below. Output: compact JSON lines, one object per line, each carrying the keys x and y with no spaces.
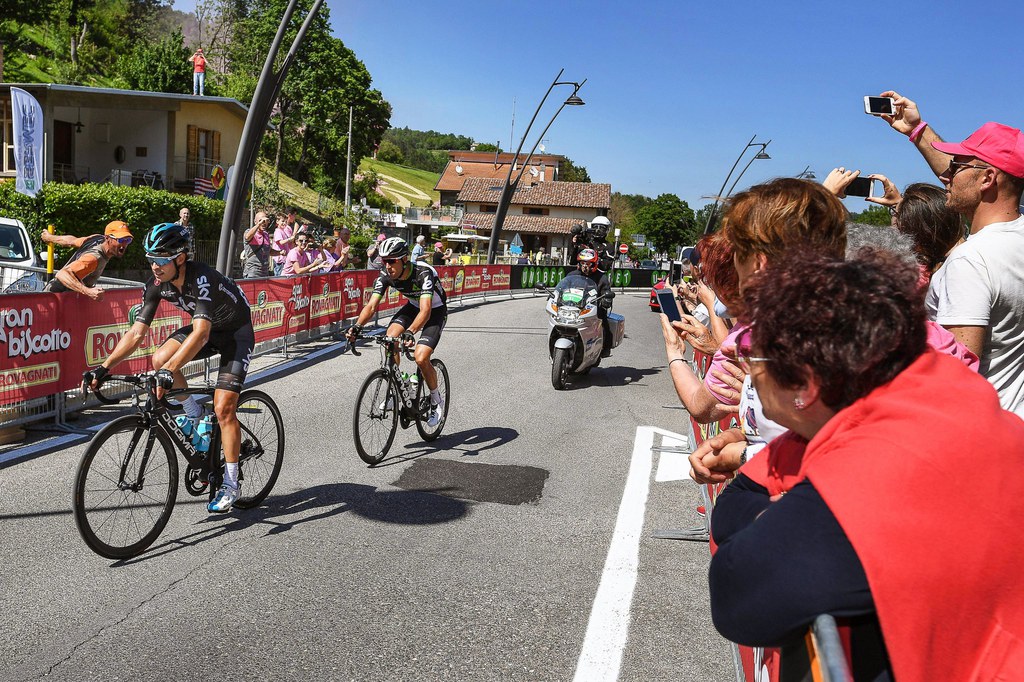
{"x":403,"y":339}
{"x":147,"y":379}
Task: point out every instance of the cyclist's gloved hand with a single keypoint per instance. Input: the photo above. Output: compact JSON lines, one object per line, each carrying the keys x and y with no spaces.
{"x":354,"y":332}
{"x":164,"y":378}
{"x":97,"y":375}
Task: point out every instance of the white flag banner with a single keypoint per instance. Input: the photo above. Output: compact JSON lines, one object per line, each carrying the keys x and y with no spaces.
{"x":28,"y":141}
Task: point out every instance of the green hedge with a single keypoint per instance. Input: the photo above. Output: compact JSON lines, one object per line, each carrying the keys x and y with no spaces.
{"x":85,"y":209}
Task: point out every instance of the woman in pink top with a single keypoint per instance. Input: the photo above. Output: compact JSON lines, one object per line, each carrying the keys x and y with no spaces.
{"x":300,"y":260}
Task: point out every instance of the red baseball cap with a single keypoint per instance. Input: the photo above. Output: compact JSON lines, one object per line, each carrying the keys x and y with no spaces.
{"x":994,"y":143}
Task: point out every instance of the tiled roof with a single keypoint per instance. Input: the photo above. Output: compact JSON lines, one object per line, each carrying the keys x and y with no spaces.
{"x":481,"y":165}
{"x":562,"y":194}
{"x":527,"y":224}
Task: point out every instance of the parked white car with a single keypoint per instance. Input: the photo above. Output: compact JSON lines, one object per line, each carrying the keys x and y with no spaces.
{"x":15,"y":255}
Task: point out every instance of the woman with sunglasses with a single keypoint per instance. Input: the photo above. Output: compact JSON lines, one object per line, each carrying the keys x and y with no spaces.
{"x":85,"y":267}
{"x":865,"y":521}
{"x":302,"y":258}
{"x":426,"y":310}
{"x":221,"y":324}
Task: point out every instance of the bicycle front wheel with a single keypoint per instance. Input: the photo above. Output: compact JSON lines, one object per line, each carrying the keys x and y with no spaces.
{"x":125,"y":488}
{"x":262,"y":447}
{"x":428,"y":432}
{"x":375,"y":418}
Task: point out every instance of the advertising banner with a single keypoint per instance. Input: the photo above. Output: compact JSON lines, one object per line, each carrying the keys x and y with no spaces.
{"x":28,"y":142}
{"x":528,"y":276}
{"x":48,"y":340}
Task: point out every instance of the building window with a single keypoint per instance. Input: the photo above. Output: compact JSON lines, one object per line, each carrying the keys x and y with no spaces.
{"x":203,"y":152}
{"x":7,"y":165}
{"x":535,"y":210}
{"x":488,"y":208}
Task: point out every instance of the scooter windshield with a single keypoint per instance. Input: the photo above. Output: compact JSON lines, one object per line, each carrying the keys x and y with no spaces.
{"x":575,"y":290}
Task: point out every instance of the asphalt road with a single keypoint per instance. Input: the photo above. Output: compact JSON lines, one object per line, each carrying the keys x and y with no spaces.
{"x":476,"y":557}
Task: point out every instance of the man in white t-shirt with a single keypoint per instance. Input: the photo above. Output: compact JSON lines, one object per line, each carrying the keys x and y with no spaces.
{"x":979,"y":293}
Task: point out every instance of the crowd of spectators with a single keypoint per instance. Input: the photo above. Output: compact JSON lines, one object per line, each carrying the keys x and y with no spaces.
{"x":869,"y":373}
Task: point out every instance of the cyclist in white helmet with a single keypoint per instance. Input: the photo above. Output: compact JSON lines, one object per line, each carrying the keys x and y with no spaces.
{"x":425,"y":312}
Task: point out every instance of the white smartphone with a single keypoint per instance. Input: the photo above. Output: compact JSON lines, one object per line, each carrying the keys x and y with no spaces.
{"x":879,"y":106}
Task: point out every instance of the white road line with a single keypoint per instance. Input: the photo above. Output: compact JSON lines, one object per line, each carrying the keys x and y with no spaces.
{"x":605,"y":641}
{"x":673,"y":466}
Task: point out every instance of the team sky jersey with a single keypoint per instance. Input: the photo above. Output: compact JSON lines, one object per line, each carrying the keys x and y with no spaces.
{"x":86,"y":264}
{"x":206,"y":295}
{"x":423,"y":280}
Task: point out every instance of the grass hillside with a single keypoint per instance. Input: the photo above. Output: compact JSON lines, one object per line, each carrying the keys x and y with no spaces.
{"x":403,"y":185}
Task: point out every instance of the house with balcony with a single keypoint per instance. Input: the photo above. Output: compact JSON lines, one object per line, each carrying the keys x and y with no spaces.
{"x":463,"y":165}
{"x":128,"y":137}
{"x":541,"y":214}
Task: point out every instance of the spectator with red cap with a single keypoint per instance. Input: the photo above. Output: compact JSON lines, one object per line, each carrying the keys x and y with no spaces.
{"x":979,"y":293}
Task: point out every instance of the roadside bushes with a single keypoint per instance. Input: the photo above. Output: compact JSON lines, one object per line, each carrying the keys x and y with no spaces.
{"x":85,"y":209}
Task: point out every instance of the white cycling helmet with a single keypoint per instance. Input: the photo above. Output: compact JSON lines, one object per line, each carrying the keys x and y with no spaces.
{"x":601,"y":220}
{"x":394,"y":247}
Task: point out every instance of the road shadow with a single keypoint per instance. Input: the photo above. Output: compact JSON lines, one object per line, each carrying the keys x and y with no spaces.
{"x":281,"y":513}
{"x":469,"y":443}
{"x":609,"y":376}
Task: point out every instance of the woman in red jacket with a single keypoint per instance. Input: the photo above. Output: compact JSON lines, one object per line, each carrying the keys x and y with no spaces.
{"x":901,"y":511}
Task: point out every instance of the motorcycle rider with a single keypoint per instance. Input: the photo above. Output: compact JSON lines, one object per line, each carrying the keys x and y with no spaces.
{"x":588,"y":267}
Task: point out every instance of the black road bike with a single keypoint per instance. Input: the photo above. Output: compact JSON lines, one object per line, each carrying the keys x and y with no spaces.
{"x":127,"y":481}
{"x":384,"y":401}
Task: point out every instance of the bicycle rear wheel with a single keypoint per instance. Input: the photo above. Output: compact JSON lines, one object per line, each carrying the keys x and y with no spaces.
{"x":262,"y":446}
{"x":125,"y":488}
{"x":427,"y":432}
{"x":375,"y":418}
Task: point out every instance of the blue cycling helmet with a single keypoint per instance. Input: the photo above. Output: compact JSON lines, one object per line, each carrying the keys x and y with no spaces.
{"x":166,"y":239}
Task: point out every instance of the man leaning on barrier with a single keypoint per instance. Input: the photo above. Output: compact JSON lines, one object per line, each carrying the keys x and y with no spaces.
{"x":86,"y":266}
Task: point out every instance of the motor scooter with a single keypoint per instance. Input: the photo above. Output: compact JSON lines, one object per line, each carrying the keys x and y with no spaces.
{"x":576,"y":339}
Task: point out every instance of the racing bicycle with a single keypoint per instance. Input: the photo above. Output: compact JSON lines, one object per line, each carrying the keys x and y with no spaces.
{"x":127,"y":481}
{"x":384,"y":401}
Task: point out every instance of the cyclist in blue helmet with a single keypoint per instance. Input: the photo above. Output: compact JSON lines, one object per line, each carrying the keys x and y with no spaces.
{"x":221,"y":324}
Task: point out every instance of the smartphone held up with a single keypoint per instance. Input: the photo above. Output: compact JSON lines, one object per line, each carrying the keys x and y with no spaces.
{"x":861,"y":187}
{"x":667,"y":301}
{"x":879,"y":106}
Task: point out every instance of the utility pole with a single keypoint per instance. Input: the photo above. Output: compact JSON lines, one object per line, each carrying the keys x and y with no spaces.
{"x":348,"y":160}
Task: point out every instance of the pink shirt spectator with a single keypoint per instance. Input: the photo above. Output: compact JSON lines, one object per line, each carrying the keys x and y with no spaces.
{"x":281,"y":237}
{"x":297,"y":256}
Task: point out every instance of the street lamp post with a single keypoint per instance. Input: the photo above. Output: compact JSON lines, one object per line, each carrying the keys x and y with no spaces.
{"x":510,"y":185}
{"x":807,"y":174}
{"x":719,"y":197}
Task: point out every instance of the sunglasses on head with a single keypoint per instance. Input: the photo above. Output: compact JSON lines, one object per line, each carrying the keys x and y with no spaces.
{"x":160,"y":260}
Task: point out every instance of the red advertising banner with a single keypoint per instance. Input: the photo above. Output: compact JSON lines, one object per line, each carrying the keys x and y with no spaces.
{"x":48,"y":340}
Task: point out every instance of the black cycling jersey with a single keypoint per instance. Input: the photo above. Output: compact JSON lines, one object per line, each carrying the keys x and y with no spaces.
{"x":423,"y":280}
{"x":206,"y":295}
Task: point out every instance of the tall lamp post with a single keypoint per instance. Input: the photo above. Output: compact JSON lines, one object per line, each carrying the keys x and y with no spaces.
{"x":510,"y":185}
{"x":719,"y":197}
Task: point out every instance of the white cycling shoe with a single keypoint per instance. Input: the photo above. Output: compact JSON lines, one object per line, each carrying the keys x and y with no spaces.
{"x":434,"y":418}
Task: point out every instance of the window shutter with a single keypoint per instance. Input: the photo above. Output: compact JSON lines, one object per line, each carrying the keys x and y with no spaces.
{"x":215,"y":154}
{"x":192,"y":152}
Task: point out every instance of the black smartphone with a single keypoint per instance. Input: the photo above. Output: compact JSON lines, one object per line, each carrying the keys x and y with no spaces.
{"x":667,"y":301}
{"x":860,"y":187}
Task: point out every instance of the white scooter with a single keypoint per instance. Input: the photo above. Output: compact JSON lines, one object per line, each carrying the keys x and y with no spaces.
{"x":577,"y":334}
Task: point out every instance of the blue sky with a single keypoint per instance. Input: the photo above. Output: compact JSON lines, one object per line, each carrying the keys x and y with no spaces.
{"x":675,"y":89}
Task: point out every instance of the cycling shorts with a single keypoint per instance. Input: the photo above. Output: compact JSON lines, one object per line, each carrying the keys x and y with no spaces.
{"x":235,"y":349}
{"x":431,"y":332}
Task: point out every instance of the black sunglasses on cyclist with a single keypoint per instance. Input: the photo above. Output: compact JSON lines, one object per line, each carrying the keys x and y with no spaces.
{"x":389,"y":261}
